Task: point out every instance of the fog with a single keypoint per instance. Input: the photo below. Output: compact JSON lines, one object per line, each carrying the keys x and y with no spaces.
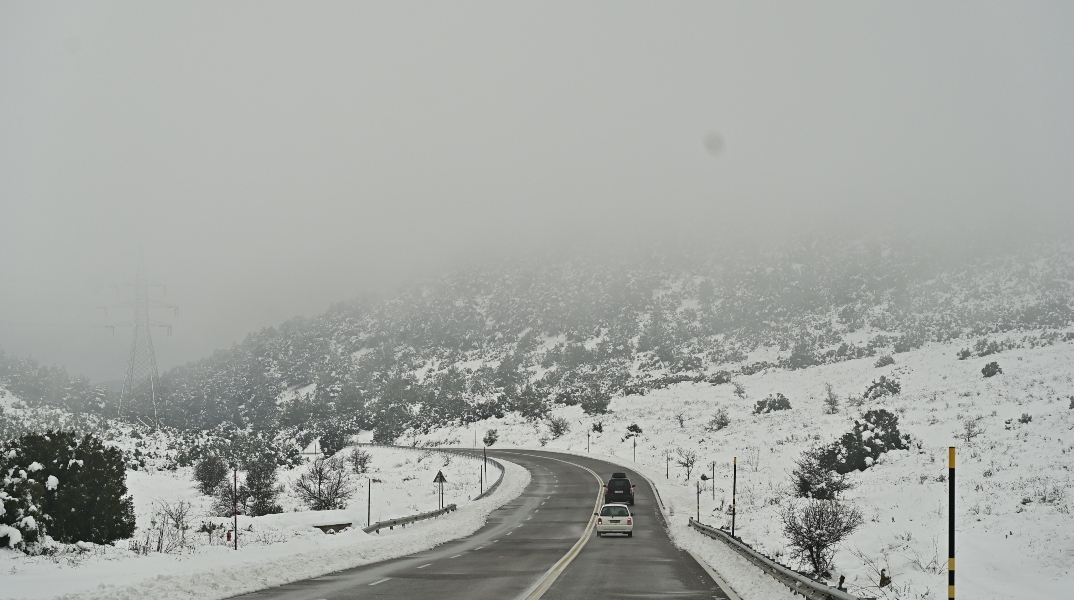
{"x":271,"y":159}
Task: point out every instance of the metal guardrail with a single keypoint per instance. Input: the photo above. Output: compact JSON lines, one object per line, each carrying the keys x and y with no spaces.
{"x":799,"y":583}
{"x":404,"y":521}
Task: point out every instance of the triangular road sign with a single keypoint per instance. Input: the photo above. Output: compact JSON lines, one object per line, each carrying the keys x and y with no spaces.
{"x":440,"y":477}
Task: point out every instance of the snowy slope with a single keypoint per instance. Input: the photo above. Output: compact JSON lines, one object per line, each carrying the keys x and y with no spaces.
{"x":1014,"y":494}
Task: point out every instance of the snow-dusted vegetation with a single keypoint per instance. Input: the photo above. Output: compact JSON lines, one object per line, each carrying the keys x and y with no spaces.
{"x":831,"y":369}
{"x":1015,"y":492}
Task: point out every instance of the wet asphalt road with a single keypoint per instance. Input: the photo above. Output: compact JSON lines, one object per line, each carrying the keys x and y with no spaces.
{"x":522,"y":540}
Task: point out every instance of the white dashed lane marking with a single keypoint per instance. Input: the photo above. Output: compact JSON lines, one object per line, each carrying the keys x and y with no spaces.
{"x":381,"y":581}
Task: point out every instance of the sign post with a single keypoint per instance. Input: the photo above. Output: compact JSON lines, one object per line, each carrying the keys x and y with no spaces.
{"x":440,"y":479}
{"x":369,"y":503}
{"x":235,"y":505}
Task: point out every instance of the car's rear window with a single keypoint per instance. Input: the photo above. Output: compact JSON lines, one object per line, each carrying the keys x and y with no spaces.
{"x":614,"y":511}
{"x":619,"y":484}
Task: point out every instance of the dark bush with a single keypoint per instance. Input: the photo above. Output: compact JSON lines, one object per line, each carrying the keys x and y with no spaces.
{"x":595,"y":400}
{"x":260,"y":489}
{"x":87,"y":499}
{"x":209,"y":472}
{"x":991,"y":369}
{"x":881,"y":388}
{"x":633,"y":430}
{"x":964,"y":353}
{"x":813,"y":480}
{"x":490,"y":437}
{"x":884,"y":361}
{"x":770,"y":404}
{"x":858,"y":449}
{"x":558,"y":426}
{"x":598,"y":427}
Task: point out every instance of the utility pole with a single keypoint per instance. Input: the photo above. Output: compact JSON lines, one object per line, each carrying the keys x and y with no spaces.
{"x":635,"y":449}
{"x":369,"y":502}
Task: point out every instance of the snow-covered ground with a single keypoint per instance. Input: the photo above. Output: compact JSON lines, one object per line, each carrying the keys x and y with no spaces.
{"x":1014,"y":494}
{"x":273,"y":549}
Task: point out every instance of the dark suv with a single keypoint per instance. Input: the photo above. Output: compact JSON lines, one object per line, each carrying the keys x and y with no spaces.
{"x":619,"y":490}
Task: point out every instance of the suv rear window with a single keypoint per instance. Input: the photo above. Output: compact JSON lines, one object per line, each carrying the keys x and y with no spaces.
{"x":619,"y":484}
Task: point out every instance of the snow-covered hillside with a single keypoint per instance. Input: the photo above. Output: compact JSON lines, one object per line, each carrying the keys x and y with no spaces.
{"x":273,"y":549}
{"x":1014,"y":492}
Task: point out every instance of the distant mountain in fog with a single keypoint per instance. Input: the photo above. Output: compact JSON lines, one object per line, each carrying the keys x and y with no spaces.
{"x":526,"y":335}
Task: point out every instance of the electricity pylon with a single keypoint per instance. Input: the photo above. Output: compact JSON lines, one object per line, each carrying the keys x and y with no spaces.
{"x":141,"y":386}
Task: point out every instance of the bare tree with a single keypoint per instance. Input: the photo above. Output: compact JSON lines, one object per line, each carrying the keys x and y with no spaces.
{"x":687,"y":459}
{"x":680,"y":416}
{"x":831,"y":401}
{"x":325,"y":486}
{"x":816,"y":527}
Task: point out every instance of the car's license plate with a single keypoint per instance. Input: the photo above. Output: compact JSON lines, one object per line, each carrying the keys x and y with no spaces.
{"x":614,"y":521}
{"x":618,"y":491}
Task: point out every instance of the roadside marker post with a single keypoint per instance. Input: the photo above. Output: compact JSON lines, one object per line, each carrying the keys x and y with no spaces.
{"x":951,"y":524}
{"x":713,"y":481}
{"x":734,"y":494}
{"x":235,"y":504}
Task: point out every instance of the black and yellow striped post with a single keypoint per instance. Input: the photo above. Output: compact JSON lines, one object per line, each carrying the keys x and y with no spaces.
{"x":951,"y":524}
{"x":734,"y":494}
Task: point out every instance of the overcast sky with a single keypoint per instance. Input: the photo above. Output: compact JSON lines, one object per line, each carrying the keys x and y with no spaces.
{"x":273,"y":158}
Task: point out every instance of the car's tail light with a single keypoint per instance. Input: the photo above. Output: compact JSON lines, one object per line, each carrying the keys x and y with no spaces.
{"x":629,"y":521}
{"x":600,"y":521}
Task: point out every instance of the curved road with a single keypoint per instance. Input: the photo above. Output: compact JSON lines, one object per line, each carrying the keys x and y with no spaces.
{"x":510,"y":556}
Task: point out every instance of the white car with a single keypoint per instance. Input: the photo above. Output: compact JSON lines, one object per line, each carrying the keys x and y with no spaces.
{"x":615,"y":518}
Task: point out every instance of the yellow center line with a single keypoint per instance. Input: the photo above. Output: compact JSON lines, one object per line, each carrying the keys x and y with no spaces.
{"x":552,"y":574}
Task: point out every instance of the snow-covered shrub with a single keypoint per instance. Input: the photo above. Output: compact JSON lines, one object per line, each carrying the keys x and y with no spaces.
{"x":598,"y":427}
{"x":772,"y":403}
{"x":718,"y":421}
{"x":490,"y":437}
{"x":595,"y":400}
{"x":558,"y":426}
{"x":1025,"y":419}
{"x":632,"y":430}
{"x":209,"y":472}
{"x":881,"y":388}
{"x":811,"y":479}
{"x":884,"y":361}
{"x":360,"y":461}
{"x":815,"y":527}
{"x":991,"y":369}
{"x":859,"y":448}
{"x":831,"y":400}
{"x":21,"y":520}
{"x":964,"y":353}
{"x":85,"y":485}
